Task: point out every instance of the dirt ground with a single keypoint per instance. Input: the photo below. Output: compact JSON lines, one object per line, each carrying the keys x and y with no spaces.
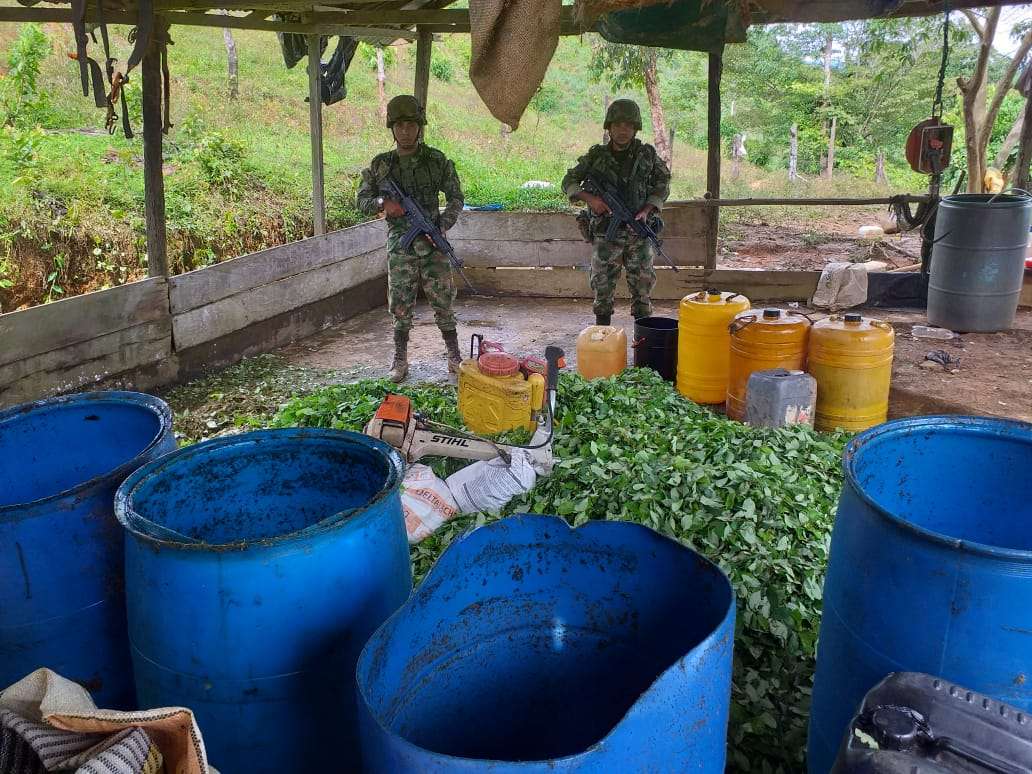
{"x":994,"y":375}
{"x":812,"y":244}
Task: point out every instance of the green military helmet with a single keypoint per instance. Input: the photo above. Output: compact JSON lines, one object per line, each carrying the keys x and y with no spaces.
{"x":405,"y":107}
{"x":623,"y":110}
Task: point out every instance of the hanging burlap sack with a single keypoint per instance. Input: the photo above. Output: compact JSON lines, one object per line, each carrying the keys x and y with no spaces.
{"x":513,"y":43}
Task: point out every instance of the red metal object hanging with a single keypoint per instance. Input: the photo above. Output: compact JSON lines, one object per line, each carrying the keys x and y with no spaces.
{"x":928,"y":146}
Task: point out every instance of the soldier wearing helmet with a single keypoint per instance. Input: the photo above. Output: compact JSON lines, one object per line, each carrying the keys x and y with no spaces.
{"x":423,"y":173}
{"x":642,"y":179}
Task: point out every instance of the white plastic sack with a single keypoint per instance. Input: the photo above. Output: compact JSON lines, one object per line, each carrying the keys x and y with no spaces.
{"x":841,"y":286}
{"x":426,"y":502}
{"x":489,"y":485}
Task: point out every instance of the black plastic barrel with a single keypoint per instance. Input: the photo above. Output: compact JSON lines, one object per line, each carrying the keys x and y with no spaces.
{"x":655,"y":345}
{"x":978,"y":261}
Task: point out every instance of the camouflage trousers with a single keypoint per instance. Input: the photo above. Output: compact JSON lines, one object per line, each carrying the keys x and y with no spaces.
{"x":420,"y":266}
{"x":608,"y":259}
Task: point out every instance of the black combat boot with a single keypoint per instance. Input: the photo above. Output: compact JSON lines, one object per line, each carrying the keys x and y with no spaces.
{"x":451,"y":340}
{"x":399,"y":368}
{"x":603,"y":319}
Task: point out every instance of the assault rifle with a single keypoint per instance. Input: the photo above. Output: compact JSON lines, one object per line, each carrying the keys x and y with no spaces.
{"x":621,"y":216}
{"x":421,"y":225}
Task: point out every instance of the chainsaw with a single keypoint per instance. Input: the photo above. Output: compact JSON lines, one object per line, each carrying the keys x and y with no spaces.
{"x":414,"y":436}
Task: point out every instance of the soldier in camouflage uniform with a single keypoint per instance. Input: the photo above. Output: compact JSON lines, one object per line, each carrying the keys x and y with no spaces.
{"x":422,"y":173}
{"x":642,"y":180}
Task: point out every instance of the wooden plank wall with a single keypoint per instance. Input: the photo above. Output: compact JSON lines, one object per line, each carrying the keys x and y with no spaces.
{"x":76,"y":342}
{"x":551,"y":239}
{"x":218,"y":300}
{"x":157,"y":330}
{"x":139,"y":334}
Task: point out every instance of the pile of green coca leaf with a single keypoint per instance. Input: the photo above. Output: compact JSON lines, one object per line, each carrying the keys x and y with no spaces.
{"x":759,"y":502}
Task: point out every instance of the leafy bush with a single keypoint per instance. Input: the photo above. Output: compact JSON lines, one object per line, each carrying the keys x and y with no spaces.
{"x":442,"y":69}
{"x":222,"y":161}
{"x":24,"y":103}
{"x":758,"y":501}
{"x":546,"y":99}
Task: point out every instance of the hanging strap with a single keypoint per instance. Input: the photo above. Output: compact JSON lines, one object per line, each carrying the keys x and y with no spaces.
{"x":141,"y":35}
{"x":937,"y":101}
{"x":79,"y":31}
{"x":166,"y":87}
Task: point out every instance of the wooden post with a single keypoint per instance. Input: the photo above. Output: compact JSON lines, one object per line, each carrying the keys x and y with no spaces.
{"x":716,"y":65}
{"x":422,"y":85}
{"x":153,"y":179}
{"x":315,"y":130}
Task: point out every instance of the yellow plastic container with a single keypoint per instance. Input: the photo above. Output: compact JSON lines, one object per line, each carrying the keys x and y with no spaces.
{"x":601,"y":351}
{"x":703,"y":344}
{"x":851,"y":358}
{"x":494,"y":404}
{"x":761,"y":340}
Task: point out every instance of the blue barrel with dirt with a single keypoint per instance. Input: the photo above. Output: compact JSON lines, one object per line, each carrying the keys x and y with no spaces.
{"x":534,"y":647}
{"x":257,"y":565}
{"x":930,"y":567}
{"x":61,"y":549}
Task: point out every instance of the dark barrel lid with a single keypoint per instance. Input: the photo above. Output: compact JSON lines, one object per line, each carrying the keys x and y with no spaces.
{"x":853,"y":317}
{"x":771,"y":314}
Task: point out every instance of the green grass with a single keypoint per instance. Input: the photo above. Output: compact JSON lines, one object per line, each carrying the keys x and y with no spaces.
{"x":83,"y":189}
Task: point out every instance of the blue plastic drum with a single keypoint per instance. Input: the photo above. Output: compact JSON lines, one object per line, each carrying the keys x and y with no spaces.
{"x":257,"y":566}
{"x":61,"y":556}
{"x":930,"y":567}
{"x":533,"y":647}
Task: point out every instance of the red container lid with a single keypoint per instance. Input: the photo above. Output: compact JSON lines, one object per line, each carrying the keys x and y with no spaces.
{"x":498,"y":364}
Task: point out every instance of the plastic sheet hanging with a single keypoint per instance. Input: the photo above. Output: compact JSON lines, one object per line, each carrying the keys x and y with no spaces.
{"x":689,"y":25}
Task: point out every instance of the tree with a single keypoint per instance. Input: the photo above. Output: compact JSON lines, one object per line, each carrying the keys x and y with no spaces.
{"x":635,"y":66}
{"x":793,"y":153}
{"x":1024,"y":160}
{"x":980,"y":113}
{"x":379,"y":58}
{"x":231,"y":60}
{"x":381,"y":79}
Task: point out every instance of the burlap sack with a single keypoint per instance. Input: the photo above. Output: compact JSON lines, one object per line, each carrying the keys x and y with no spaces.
{"x":513,"y":43}
{"x":46,"y":697}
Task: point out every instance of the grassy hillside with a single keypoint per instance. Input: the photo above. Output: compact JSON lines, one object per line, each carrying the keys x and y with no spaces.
{"x":238,"y":171}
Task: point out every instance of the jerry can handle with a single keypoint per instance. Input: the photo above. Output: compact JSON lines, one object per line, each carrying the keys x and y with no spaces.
{"x":476,"y":345}
{"x":736,"y":325}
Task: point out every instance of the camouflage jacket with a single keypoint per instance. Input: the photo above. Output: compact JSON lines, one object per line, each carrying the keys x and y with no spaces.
{"x":422,"y":176}
{"x":647,"y":181}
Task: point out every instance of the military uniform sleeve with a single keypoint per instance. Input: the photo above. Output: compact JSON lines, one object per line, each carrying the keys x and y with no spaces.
{"x":368,"y":193}
{"x":452,"y":189}
{"x":659,"y":184}
{"x":575,"y":176}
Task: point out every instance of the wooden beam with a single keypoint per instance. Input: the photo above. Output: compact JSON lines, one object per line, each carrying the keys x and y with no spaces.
{"x":64,"y":16}
{"x":153,"y":176}
{"x":381,"y":16}
{"x":422,"y":85}
{"x":315,"y":130}
{"x":716,"y":66}
{"x":759,"y":202}
{"x":849,"y":10}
